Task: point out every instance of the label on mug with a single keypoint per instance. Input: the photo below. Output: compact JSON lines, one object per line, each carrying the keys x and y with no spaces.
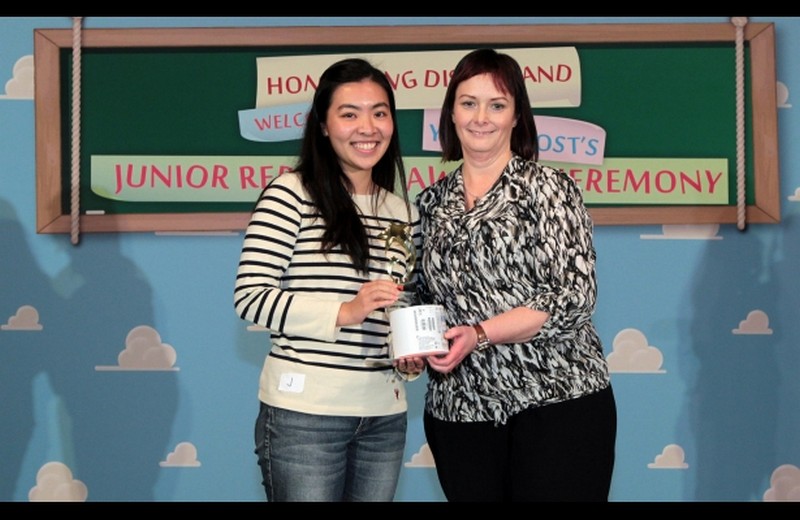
{"x":418,"y":331}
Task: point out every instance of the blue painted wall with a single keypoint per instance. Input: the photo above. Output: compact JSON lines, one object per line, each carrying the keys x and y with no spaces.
{"x":714,"y":417}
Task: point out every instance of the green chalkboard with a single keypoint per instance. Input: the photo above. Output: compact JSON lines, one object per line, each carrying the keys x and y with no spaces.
{"x":658,"y":91}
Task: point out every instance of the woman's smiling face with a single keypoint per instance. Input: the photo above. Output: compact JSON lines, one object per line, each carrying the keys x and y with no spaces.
{"x":359,"y":125}
{"x":484,"y":116}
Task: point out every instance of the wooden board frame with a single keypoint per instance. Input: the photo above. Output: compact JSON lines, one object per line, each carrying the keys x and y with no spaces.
{"x":51,"y":217}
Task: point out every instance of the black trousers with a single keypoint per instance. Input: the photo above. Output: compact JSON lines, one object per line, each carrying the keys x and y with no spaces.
{"x":558,"y":452}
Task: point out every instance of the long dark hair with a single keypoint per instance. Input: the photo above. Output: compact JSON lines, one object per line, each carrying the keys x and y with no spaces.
{"x":322,"y":174}
{"x":508,"y":78}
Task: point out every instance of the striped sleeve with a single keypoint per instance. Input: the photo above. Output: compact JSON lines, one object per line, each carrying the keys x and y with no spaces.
{"x":270,"y":240}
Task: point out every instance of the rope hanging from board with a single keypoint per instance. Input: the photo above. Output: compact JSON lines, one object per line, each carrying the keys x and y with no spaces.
{"x":75,"y":185}
{"x":741,"y":200}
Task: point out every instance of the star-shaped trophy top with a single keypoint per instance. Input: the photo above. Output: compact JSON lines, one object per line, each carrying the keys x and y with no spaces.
{"x":399,"y":235}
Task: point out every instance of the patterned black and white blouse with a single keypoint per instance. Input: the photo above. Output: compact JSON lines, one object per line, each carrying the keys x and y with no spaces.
{"x":527,"y":242}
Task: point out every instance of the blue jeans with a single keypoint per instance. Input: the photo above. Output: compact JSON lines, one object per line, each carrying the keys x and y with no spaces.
{"x":307,"y":458}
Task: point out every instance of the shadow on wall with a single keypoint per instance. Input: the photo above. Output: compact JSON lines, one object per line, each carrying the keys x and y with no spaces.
{"x":22,"y":352}
{"x":787,"y":340}
{"x":121,"y":420}
{"x":114,"y":425}
{"x":732,"y":398}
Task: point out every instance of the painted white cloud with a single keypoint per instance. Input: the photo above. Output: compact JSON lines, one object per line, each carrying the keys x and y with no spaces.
{"x":144,"y":351}
{"x":631,"y":353}
{"x":184,"y":456}
{"x":422,"y":459}
{"x":795,"y":197}
{"x":26,"y":318}
{"x":784,"y":484}
{"x":757,"y":322}
{"x":671,"y":457}
{"x":783,"y":95}
{"x":686,"y":232}
{"x":20,"y":86}
{"x":54,"y":483}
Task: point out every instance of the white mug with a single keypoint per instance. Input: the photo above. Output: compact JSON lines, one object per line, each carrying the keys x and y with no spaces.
{"x":418,"y":330}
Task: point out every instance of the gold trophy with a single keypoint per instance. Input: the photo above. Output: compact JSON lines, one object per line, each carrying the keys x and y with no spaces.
{"x":416,"y":330}
{"x":400,"y":250}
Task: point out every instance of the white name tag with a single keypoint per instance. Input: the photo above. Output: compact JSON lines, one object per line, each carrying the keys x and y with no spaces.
{"x":292,"y":383}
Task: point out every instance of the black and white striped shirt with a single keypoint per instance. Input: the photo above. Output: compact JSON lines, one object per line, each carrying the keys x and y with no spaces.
{"x":286,"y":284}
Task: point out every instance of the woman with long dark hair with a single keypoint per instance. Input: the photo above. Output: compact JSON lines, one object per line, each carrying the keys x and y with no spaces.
{"x":315,"y":272}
